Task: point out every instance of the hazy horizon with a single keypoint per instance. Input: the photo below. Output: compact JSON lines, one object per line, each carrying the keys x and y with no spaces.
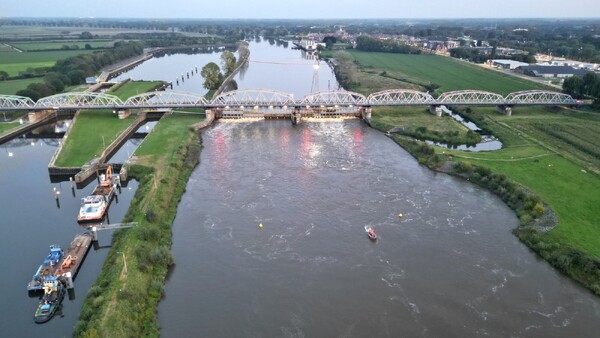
{"x":306,"y":9}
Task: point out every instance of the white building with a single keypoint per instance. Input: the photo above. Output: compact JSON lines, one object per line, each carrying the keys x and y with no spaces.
{"x":508,"y":64}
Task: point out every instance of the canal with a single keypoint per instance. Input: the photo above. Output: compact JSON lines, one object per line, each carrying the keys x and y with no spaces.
{"x":31,"y":220}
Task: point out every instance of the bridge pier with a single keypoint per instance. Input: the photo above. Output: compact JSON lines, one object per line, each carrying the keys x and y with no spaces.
{"x":296,"y":116}
{"x":123,"y":114}
{"x":436,"y":110}
{"x":506,"y":110}
{"x":366,"y":113}
{"x":36,"y":116}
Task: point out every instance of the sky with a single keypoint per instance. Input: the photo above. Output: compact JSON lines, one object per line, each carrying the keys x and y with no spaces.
{"x":301,"y":9}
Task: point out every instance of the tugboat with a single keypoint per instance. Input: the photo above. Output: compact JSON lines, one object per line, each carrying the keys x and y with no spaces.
{"x":48,"y":268}
{"x":371,"y":233}
{"x":54,"y":292}
{"x":92,"y":209}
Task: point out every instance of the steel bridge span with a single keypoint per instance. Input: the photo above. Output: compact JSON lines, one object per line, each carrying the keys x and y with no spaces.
{"x":267,"y":98}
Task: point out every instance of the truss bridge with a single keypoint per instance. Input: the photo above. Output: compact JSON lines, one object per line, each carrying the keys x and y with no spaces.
{"x":268,"y":99}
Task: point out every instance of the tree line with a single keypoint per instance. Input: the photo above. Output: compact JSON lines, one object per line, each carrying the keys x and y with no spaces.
{"x":74,"y":70}
{"x":586,"y":87}
{"x":370,"y":44}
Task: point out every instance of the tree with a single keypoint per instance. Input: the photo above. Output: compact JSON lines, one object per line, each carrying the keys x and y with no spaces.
{"x":32,"y":94}
{"x":76,"y":76}
{"x":228,"y":62}
{"x":573,"y":86}
{"x":41,"y":88}
{"x":212,"y":76}
{"x":329,"y":41}
{"x":88,"y":46}
{"x":54,"y":81}
{"x":3,"y":75}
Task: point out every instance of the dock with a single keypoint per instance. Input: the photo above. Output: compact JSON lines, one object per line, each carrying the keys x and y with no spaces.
{"x":68,"y":265}
{"x":74,"y":256}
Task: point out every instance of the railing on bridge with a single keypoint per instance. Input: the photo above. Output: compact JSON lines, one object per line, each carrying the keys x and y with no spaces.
{"x":532,"y":97}
{"x":162,"y":99}
{"x":253,"y":97}
{"x":16,"y":102}
{"x":471,"y":97}
{"x":78,"y":100}
{"x":273,"y":98}
{"x":332,"y":98}
{"x":404,"y":96}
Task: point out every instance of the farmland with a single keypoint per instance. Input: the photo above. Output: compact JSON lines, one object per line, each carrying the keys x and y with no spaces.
{"x":29,"y":46}
{"x":377,"y":71}
{"x":11,"y":87}
{"x":14,"y":62}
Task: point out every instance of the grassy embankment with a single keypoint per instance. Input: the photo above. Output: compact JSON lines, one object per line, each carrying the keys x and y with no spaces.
{"x":96,"y":129}
{"x":123,"y":301}
{"x":132,"y":88}
{"x":90,"y":135}
{"x":10,"y":120}
{"x":553,"y":154}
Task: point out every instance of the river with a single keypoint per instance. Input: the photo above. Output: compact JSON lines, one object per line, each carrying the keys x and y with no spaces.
{"x":449,"y":267}
{"x":31,"y":220}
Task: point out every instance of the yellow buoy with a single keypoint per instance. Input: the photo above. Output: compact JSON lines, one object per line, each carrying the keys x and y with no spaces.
{"x":260,"y":226}
{"x":400,"y":215}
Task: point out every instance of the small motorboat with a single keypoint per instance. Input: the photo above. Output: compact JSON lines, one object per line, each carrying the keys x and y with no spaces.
{"x":371,"y":233}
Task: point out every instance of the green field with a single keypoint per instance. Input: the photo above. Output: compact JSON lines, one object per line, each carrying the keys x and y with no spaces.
{"x":166,"y":138}
{"x":418,"y":122}
{"x":417,"y":71}
{"x":15,"y":62}
{"x":4,"y":48}
{"x":7,"y":126}
{"x":54,"y":45}
{"x":89,"y":136}
{"x":11,"y":87}
{"x":132,"y":88}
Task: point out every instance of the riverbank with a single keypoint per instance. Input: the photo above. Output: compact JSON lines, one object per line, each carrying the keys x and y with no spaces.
{"x":123,"y":300}
{"x":547,"y":153}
